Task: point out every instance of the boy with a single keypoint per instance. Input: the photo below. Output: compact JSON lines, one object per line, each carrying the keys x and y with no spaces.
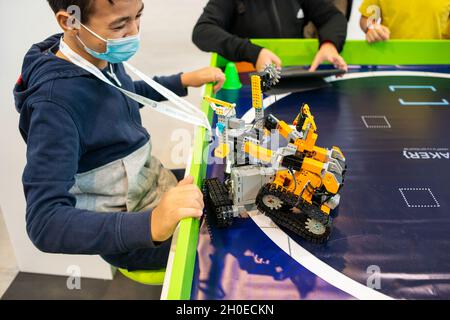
{"x":91,"y":184}
{"x":405,"y":19}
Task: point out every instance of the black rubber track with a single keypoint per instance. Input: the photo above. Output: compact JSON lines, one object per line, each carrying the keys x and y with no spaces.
{"x":295,"y":222}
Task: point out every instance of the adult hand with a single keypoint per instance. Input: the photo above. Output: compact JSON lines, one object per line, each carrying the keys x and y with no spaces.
{"x":183,"y":201}
{"x":265,"y":58}
{"x":328,"y":52}
{"x":377,"y":32}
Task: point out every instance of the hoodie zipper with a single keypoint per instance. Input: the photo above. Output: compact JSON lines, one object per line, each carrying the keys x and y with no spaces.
{"x":277,"y":17}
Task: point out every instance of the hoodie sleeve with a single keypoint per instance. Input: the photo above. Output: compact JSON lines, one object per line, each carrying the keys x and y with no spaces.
{"x":331,"y":24}
{"x":211,"y":33}
{"x":54,"y":225}
{"x":172,"y":83}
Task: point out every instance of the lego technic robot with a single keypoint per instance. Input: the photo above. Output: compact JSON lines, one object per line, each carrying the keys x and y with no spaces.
{"x":296,"y":186}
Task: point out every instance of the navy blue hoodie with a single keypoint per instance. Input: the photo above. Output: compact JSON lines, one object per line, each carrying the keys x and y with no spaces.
{"x":72,"y":122}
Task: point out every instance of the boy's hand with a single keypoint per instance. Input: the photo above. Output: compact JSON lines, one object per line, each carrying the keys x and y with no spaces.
{"x":183,"y":201}
{"x":265,"y":58}
{"x":328,"y":52}
{"x":377,"y":33}
{"x":206,"y":75}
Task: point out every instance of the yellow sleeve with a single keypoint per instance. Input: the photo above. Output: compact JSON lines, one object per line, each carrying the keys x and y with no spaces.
{"x":365,"y":5}
{"x":447,"y":36}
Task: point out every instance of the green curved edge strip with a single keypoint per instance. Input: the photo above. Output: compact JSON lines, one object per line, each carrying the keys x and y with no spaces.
{"x":186,"y":247}
{"x":292,"y":52}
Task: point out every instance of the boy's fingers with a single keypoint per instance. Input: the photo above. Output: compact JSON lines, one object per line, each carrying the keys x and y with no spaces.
{"x":184,"y":213}
{"x":220,"y":80}
{"x":197,"y":204}
{"x":190,"y":187}
{"x":188,"y":202}
{"x":192,"y":198}
{"x":187,"y":180}
{"x":191,"y":203}
{"x":185,"y":192}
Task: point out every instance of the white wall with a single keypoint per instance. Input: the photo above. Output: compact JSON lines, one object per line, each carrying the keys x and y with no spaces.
{"x":354,"y":31}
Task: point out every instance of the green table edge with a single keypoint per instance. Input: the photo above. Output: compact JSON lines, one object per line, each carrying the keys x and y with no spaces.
{"x":292,"y":52}
{"x":359,"y":52}
{"x":186,"y":247}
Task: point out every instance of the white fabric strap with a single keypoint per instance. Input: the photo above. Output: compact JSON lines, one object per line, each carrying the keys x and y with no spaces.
{"x":185,"y":112}
{"x":169,"y":95}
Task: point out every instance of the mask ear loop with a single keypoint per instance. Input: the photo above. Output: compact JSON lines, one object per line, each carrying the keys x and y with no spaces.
{"x":95,"y":35}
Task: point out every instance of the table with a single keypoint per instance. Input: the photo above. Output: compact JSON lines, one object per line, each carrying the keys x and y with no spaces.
{"x":391,"y":231}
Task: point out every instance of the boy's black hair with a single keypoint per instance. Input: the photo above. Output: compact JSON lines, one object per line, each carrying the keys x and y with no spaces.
{"x":86,"y":7}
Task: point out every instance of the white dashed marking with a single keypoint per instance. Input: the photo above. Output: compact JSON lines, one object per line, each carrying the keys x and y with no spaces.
{"x":367,"y":122}
{"x":436,"y":205}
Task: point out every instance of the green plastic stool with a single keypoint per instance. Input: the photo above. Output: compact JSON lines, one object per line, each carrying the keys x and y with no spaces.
{"x":147,"y":277}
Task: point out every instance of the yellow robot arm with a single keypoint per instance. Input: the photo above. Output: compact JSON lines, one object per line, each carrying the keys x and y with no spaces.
{"x":258,"y":152}
{"x":307,"y":117}
{"x":220,"y":102}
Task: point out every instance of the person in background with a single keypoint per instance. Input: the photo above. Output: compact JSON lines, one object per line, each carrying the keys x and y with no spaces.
{"x":382,"y":20}
{"x":226,"y":26}
{"x":344,"y":6}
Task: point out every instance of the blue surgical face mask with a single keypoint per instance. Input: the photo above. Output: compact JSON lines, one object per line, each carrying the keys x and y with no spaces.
{"x":117,"y":50}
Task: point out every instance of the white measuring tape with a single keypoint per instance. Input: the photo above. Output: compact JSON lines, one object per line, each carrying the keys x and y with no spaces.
{"x":185,"y":111}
